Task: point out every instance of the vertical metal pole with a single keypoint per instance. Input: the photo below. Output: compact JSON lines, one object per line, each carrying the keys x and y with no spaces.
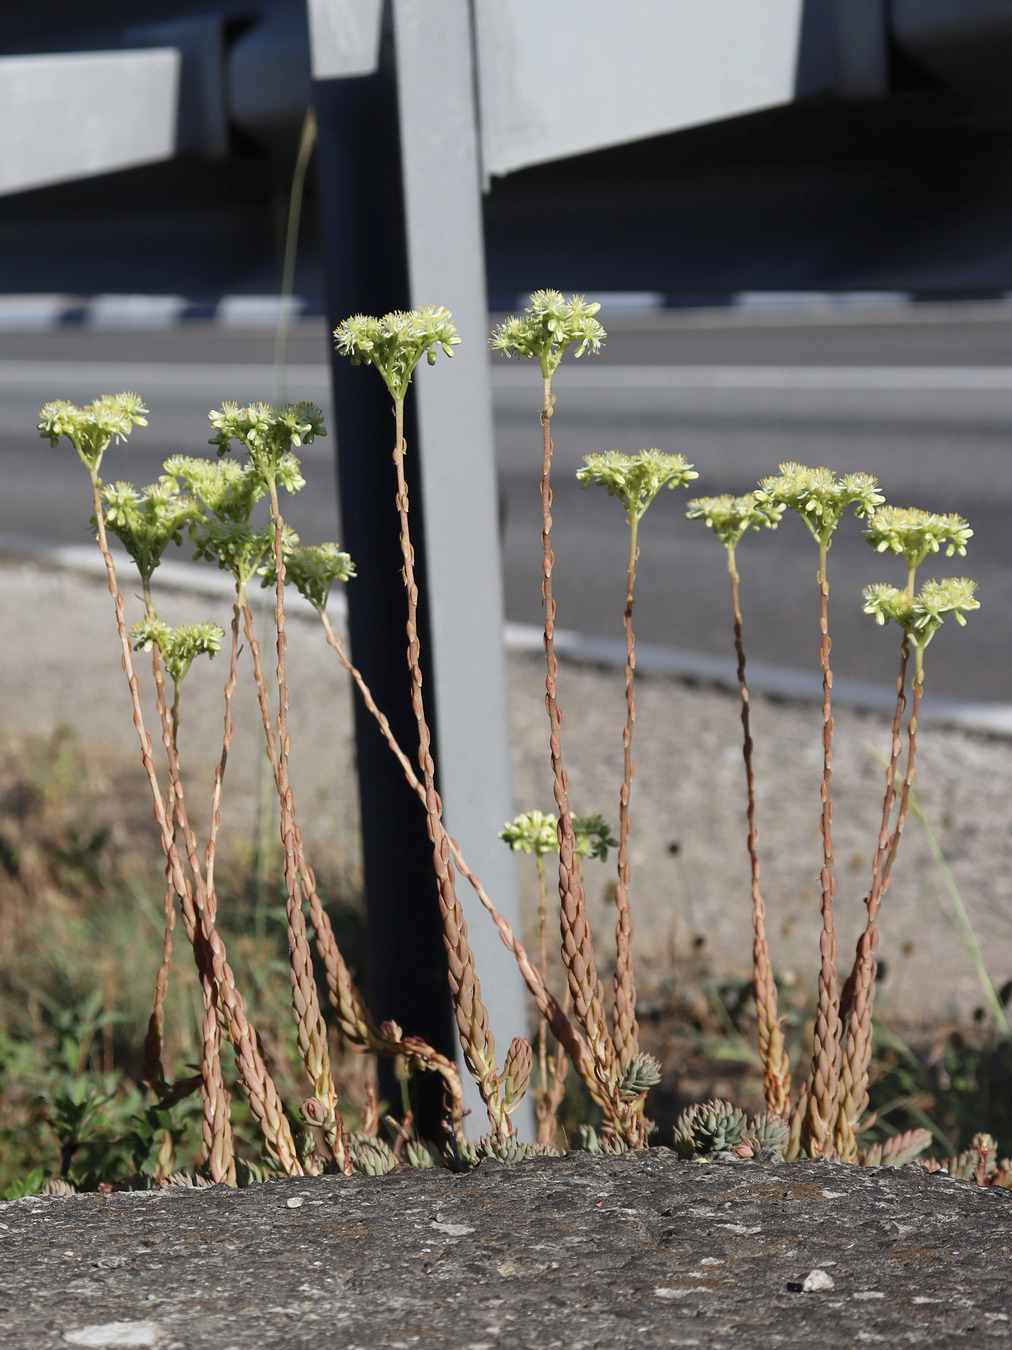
{"x":446,"y":264}
{"x":363,"y":229}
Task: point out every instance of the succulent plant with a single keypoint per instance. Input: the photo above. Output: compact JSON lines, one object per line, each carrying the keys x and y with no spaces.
{"x":370,"y":1155}
{"x":709,"y":1127}
{"x":506,"y":1149}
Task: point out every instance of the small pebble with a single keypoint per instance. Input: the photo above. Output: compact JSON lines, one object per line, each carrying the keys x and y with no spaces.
{"x":816,"y":1280}
{"x":295,"y":1202}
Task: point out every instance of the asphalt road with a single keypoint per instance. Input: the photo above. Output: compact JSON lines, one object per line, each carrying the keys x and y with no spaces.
{"x":920,"y":396}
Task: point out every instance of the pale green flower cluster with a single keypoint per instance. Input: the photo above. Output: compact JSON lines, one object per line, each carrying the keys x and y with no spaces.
{"x":268,"y":435}
{"x":92,"y":428}
{"x":534,"y":832}
{"x":397,"y":342}
{"x":636,"y":479}
{"x":235,"y":546}
{"x":915,"y":533}
{"x":920,"y":616}
{"x":227,"y":489}
{"x":549,"y":325}
{"x":818,"y":496}
{"x":179,"y":646}
{"x":146,"y":522}
{"x":729,"y":517}
{"x":312,"y":570}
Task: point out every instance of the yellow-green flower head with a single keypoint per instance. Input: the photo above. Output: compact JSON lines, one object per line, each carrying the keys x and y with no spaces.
{"x":915,"y":533}
{"x":549,"y":325}
{"x":397,"y":342}
{"x":636,"y":479}
{"x":235,"y":547}
{"x":920,"y":616}
{"x":312,"y":570}
{"x":227,"y":490}
{"x":534,"y":832}
{"x":178,"y":646}
{"x":818,"y":496}
{"x":729,"y":517}
{"x":146,"y":522}
{"x":91,"y":429}
{"x":268,"y":434}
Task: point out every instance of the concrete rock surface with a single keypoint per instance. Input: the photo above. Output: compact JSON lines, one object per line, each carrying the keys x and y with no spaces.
{"x":577,"y":1252}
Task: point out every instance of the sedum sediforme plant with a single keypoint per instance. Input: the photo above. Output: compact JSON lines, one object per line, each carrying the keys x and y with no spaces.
{"x":729,"y":518}
{"x":395,"y":344}
{"x":820,"y":499}
{"x":635,"y":480}
{"x":213,"y":500}
{"x":829,"y":1111}
{"x":549,"y":327}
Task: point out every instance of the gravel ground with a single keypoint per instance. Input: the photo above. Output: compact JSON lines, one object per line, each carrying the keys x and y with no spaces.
{"x":59,"y":667}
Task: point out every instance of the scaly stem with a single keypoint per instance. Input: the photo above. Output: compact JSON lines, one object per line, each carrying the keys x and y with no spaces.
{"x":477,"y":1042}
{"x":360,"y":1032}
{"x":153,"y":1071}
{"x":858,"y":995}
{"x":311,"y":1028}
{"x":624,"y":1029}
{"x":562,"y":1028}
{"x":217,"y":1135}
{"x":577,"y":943}
{"x":825,"y":1072}
{"x":772,"y":1051}
{"x":226,"y":741}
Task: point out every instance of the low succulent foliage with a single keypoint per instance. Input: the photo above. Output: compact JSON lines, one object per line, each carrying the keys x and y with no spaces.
{"x":581,"y":1026}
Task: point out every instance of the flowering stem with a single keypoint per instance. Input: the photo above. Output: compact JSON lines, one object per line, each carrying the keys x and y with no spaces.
{"x":625,"y":1031}
{"x":226,"y":741}
{"x":477,"y":1042}
{"x":360,"y":1032}
{"x":311,"y":1028}
{"x":772,"y":1051}
{"x":577,"y":946}
{"x":825,"y":1072}
{"x":217,"y":1130}
{"x":562,"y":1028}
{"x":858,"y":995}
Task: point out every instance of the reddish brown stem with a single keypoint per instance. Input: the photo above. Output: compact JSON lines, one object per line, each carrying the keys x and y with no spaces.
{"x":825,"y":1072}
{"x":476,"y":1040}
{"x":772,"y":1051}
{"x":216,"y":1130}
{"x":562,"y":1027}
{"x":311,"y":1030}
{"x":577,"y":942}
{"x":858,"y":994}
{"x":360,"y":1032}
{"x":624,"y":1029}
{"x":210,"y":852}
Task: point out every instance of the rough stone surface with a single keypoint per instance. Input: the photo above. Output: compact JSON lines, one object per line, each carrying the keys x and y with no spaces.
{"x":577,"y":1252}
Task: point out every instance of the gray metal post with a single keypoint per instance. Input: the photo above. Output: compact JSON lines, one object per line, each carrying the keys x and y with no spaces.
{"x":446,"y":263}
